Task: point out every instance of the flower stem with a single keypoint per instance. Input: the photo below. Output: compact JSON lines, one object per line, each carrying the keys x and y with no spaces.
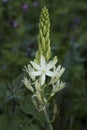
{"x":49,"y":126}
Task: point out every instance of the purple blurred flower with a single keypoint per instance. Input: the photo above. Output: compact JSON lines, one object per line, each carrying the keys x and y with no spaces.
{"x":14,"y":24}
{"x":76,"y":20}
{"x":35,"y":3}
{"x":5,"y":1}
{"x":25,"y":7}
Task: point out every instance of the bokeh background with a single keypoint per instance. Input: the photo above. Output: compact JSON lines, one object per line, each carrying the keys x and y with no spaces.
{"x":18,"y":43}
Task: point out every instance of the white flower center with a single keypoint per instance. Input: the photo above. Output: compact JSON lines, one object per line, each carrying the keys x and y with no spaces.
{"x":43,"y":71}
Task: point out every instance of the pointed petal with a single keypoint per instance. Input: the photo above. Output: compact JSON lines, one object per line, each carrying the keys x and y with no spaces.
{"x":42,"y":61}
{"x":58,"y":68}
{"x":35,"y":73}
{"x":60,"y":72}
{"x":29,"y":67}
{"x":43,"y":79}
{"x":51,"y":64}
{"x":58,"y":87}
{"x":32,"y":76}
{"x":27,"y":84}
{"x":50,"y":73}
{"x":36,"y":66}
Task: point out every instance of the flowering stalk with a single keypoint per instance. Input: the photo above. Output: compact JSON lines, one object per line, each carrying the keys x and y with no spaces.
{"x":43,"y":72}
{"x":44,"y":36}
{"x":48,"y":120}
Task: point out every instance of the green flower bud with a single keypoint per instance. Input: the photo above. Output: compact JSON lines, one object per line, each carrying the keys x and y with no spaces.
{"x":44,"y":36}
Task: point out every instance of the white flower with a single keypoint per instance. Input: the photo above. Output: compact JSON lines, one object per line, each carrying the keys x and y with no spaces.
{"x":59,"y":71}
{"x":29,"y":69}
{"x":43,"y":69}
{"x":57,"y":87}
{"x":27,"y":84}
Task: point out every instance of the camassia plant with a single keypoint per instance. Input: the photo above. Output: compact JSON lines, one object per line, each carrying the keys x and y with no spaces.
{"x":44,"y":72}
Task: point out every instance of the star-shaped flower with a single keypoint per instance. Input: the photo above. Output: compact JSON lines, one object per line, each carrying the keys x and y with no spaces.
{"x":44,"y":69}
{"x":28,"y":84}
{"x":57,"y":87}
{"x":59,"y":71}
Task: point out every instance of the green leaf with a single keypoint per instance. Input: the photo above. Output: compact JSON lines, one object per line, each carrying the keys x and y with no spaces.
{"x":9,"y":124}
{"x":17,"y":81}
{"x":3,"y":90}
{"x":28,"y":107}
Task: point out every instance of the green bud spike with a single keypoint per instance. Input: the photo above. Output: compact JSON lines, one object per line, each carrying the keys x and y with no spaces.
{"x":44,"y":36}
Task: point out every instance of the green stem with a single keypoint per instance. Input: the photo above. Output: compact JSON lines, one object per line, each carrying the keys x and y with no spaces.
{"x":49,"y":126}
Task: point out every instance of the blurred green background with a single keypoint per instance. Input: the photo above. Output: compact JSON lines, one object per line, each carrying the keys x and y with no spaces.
{"x":18,"y":43}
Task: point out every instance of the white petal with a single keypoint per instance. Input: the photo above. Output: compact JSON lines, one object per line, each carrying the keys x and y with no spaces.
{"x":35,"y":73}
{"x":25,"y":69}
{"x":27,"y":84}
{"x":36,"y":66}
{"x":32,"y":76}
{"x":51,"y":64}
{"x":60,"y":72}
{"x":50,"y":73}
{"x":58,"y":68}
{"x":43,"y":79}
{"x":58,"y":87}
{"x":30,"y":68}
{"x":42,"y":61}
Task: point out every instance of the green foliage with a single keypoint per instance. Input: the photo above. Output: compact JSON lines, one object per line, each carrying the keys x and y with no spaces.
{"x":28,"y":107}
{"x":16,"y":107}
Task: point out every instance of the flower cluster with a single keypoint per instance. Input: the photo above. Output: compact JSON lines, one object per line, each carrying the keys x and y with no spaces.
{"x":43,"y":72}
{"x":41,"y":76}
